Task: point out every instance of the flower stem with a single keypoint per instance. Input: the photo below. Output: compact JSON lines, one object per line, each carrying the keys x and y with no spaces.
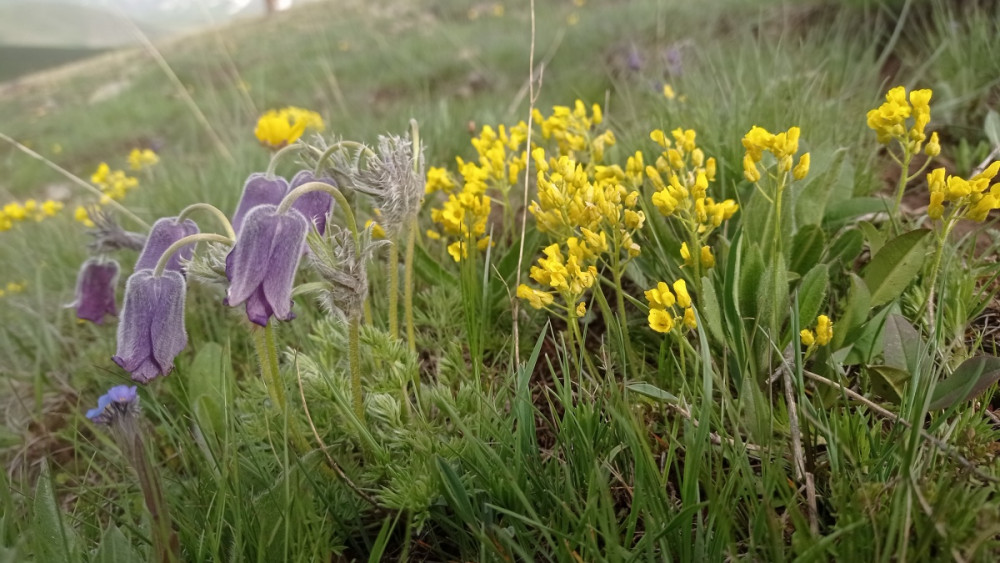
{"x":904,"y":176}
{"x":165,"y":542}
{"x":260,"y":341}
{"x":393,"y":264}
{"x":280,"y":154}
{"x":411,"y":238}
{"x":190,"y":239}
{"x":354,"y":358}
{"x":622,"y":319}
{"x":317,"y":170}
{"x":308,"y":187}
{"x":223,"y":220}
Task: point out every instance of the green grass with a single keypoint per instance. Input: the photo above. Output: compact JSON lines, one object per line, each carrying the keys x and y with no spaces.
{"x":690,"y":460}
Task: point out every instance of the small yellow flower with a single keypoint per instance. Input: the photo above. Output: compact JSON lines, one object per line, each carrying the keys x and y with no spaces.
{"x":824,"y":330}
{"x":534,"y":297}
{"x":81,"y":215}
{"x":661,"y":320}
{"x":801,"y":169}
{"x":807,"y":337}
{"x":100,"y":176}
{"x":690,"y":320}
{"x":933,"y":147}
{"x":581,"y":309}
{"x":707,"y":258}
{"x":139,"y":159}
{"x":683,"y":298}
{"x":668,"y":92}
{"x":438,"y":179}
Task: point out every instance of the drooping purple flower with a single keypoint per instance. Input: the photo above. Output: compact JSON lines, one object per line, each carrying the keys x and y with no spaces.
{"x":151,"y":332}
{"x":258,"y":190}
{"x":120,"y":401}
{"x":95,"y":290}
{"x":261,"y":266}
{"x":315,"y":206}
{"x":165,"y":232}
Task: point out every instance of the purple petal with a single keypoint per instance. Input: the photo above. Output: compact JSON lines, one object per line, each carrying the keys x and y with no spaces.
{"x":138,"y":312}
{"x":258,"y":309}
{"x":167,"y":331}
{"x":315,"y":206}
{"x":289,"y":243}
{"x":246,"y":265}
{"x":258,"y":190}
{"x":165,"y":232}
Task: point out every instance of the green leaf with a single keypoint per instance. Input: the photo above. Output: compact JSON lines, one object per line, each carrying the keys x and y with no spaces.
{"x":896,"y":266}
{"x":652,"y":391}
{"x":867,"y":341}
{"x":807,"y":249}
{"x":875,"y":238}
{"x":455,"y":492}
{"x":846,"y":248}
{"x":969,"y":379}
{"x":772,"y":294}
{"x":711,"y":310}
{"x":832,"y":180}
{"x":52,"y":541}
{"x":428,"y":269}
{"x":888,"y":382}
{"x":750,"y":278}
{"x":206,"y":382}
{"x":902,"y":344}
{"x":992,"y":127}
{"x":115,"y":548}
{"x":846,"y":212}
{"x":854,"y":315}
{"x":811,"y":293}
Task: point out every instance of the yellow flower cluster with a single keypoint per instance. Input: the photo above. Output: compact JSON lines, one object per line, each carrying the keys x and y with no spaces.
{"x":11,"y":288}
{"x":144,"y":158}
{"x":889,"y":120}
{"x":783,"y":146}
{"x":586,"y":201}
{"x":681,"y":177}
{"x":113,"y":183}
{"x":663,"y":305}
{"x":823,"y":334}
{"x":576,"y":132}
{"x":968,"y":198}
{"x":463,"y":215}
{"x":569,"y":274}
{"x":279,"y":127}
{"x":15,"y":212}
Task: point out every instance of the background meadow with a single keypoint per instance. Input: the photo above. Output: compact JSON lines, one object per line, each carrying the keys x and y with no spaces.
{"x":595,"y":446}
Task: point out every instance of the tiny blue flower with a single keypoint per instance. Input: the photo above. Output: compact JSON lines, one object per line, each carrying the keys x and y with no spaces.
{"x":165,"y":232}
{"x":119,"y":401}
{"x":261,"y":266}
{"x":95,"y":290}
{"x":258,"y":190}
{"x":151,"y":332}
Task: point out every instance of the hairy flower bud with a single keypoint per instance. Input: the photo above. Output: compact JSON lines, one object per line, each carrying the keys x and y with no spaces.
{"x":165,"y":232}
{"x":151,"y":332}
{"x":95,"y":290}
{"x":261,"y":266}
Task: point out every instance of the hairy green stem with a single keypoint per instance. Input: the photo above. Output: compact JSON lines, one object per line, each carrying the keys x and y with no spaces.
{"x":411,"y":237}
{"x":394,"y":290}
{"x":264,"y":357}
{"x":904,"y":177}
{"x":215,"y":211}
{"x":354,"y":358}
{"x":190,"y":239}
{"x":318,"y":169}
{"x":166,"y":544}
{"x":279,"y":155}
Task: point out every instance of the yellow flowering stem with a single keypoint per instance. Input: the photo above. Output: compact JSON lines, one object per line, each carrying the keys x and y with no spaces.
{"x":190,"y":239}
{"x":325,"y":155}
{"x":223,"y":220}
{"x":617,"y":267}
{"x":949,"y":223}
{"x":76,"y":180}
{"x":281,"y":154}
{"x":904,"y":177}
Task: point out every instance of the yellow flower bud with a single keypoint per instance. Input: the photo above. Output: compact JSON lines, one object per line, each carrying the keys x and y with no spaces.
{"x":802,"y":168}
{"x":808,"y":339}
{"x":683,"y":298}
{"x":689,"y":319}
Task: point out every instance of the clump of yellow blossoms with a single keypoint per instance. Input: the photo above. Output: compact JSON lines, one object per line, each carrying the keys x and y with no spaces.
{"x":569,"y":275}
{"x":822,"y":336}
{"x":11,"y":288}
{"x":142,"y":158}
{"x":967,"y":199}
{"x":279,"y":127}
{"x":663,"y":306}
{"x":681,"y":177}
{"x":113,"y":183}
{"x":890,"y":121}
{"x":575,"y":132}
{"x":783,"y":146}
{"x":16,"y":212}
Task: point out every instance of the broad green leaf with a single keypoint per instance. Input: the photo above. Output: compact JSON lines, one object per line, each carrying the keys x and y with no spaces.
{"x":867,"y":342}
{"x":807,"y":249}
{"x":902,"y":343}
{"x":896,"y":266}
{"x":750,"y":279}
{"x":846,"y":248}
{"x":115,"y":548}
{"x":969,"y":379}
{"x":652,"y":391}
{"x":831,"y":180}
{"x":992,"y":127}
{"x":888,"y":382}
{"x":52,"y":541}
{"x":875,"y":238}
{"x":854,"y":315}
{"x":811,"y":293}
{"x":710,"y":310}
{"x":846,"y":212}
{"x":772,"y":295}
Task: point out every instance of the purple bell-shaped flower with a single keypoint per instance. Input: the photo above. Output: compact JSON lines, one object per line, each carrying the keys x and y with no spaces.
{"x":315,"y":206}
{"x":151,"y":332}
{"x":258,"y":190}
{"x":165,"y":232}
{"x":95,"y":290}
{"x":261,"y":266}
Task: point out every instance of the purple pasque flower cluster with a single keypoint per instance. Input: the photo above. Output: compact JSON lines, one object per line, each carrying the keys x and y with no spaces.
{"x":259,"y":189}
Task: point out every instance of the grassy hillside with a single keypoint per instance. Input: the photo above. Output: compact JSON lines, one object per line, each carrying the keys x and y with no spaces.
{"x":730,"y":435}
